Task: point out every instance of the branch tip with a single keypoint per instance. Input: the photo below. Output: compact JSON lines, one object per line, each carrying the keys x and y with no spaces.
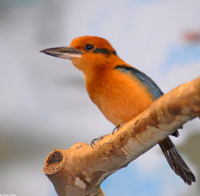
{"x":53,"y":161}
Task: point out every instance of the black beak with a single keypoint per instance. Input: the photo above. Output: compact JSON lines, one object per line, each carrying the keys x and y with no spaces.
{"x":63,"y":52}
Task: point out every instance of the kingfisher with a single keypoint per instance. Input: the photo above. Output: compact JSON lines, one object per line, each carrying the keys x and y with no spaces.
{"x":119,"y":90}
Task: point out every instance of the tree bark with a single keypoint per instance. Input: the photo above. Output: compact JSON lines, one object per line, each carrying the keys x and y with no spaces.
{"x":81,"y":169}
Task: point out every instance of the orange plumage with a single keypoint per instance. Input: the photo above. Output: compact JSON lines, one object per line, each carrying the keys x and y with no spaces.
{"x":119,"y":90}
{"x":120,"y":97}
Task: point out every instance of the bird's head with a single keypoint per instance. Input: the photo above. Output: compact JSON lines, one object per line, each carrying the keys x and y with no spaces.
{"x":87,"y":53}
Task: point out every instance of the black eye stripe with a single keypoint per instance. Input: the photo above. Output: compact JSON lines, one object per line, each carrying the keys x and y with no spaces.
{"x":104,"y":51}
{"x":114,"y":52}
{"x":101,"y":50}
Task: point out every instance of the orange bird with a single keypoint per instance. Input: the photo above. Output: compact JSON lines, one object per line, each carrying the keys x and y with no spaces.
{"x":120,"y":91}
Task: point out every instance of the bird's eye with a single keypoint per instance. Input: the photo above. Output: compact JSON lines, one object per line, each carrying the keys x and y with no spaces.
{"x":89,"y":47}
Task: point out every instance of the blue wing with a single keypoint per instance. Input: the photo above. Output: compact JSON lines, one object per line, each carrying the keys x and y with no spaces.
{"x":146,"y":81}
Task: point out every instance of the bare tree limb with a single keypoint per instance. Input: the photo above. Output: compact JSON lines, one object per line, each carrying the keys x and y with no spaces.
{"x":81,"y":169}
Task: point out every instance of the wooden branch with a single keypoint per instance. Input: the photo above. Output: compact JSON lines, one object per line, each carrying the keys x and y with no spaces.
{"x":81,"y":169}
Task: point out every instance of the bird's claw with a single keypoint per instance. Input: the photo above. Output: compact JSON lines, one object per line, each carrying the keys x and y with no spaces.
{"x":116,"y":128}
{"x":93,"y":142}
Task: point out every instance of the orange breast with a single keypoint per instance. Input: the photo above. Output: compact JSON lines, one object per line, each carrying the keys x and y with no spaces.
{"x":120,"y":97}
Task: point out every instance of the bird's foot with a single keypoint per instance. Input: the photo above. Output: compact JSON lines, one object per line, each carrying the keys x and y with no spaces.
{"x":116,"y":128}
{"x":94,"y":141}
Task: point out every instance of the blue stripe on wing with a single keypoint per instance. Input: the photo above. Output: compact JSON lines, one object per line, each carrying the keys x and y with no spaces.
{"x":146,"y":81}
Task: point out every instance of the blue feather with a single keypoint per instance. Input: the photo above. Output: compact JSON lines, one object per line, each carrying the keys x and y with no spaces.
{"x":146,"y":81}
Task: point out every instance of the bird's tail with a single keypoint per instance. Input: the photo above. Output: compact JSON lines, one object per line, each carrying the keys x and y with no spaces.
{"x":176,"y":162}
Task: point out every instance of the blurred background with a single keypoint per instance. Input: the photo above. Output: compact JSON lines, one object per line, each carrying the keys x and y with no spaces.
{"x":44,"y":104}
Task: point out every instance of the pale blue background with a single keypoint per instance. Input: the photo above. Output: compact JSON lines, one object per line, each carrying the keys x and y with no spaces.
{"x":44,"y":104}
